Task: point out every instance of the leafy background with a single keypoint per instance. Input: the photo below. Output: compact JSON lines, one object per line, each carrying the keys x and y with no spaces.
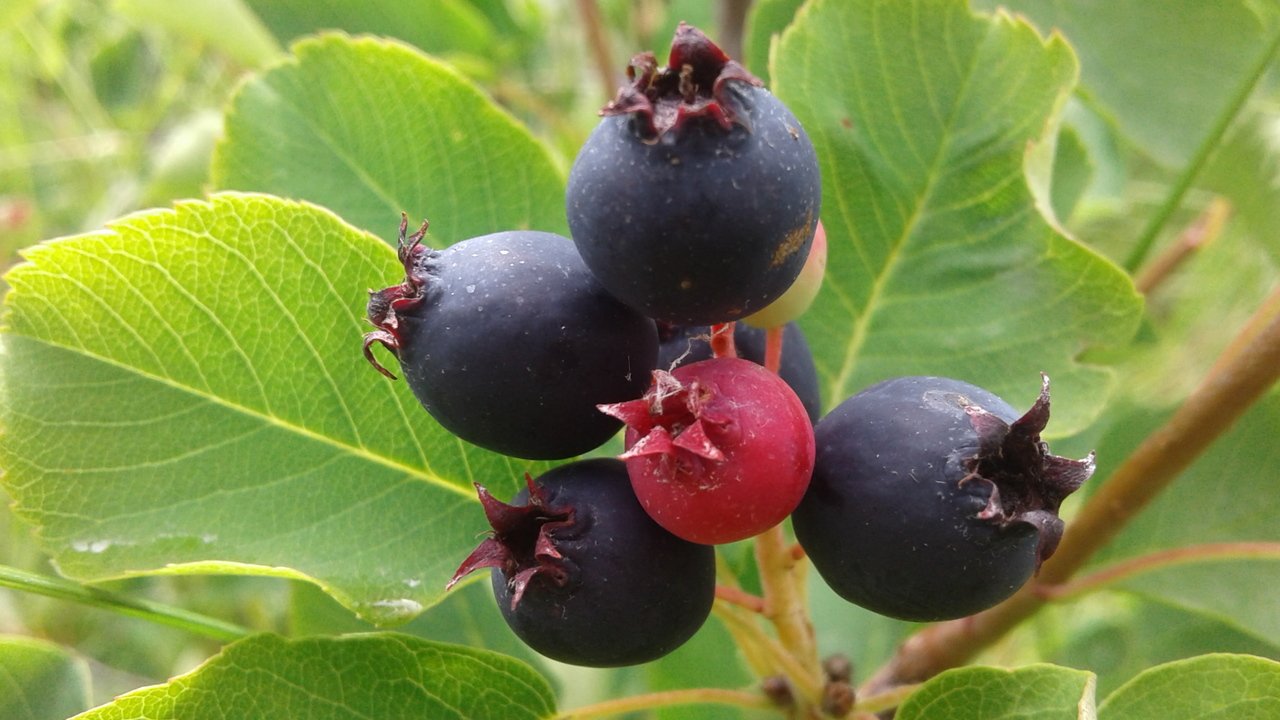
{"x":186,"y":416}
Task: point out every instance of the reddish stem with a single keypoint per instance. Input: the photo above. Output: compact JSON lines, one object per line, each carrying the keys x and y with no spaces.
{"x":722,"y":341}
{"x":773,"y":348}
{"x":741,"y":598}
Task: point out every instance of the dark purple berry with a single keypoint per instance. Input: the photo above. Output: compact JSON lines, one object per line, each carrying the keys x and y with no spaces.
{"x":695,"y":199}
{"x":682,"y":345}
{"x":584,"y":576}
{"x":933,"y":499}
{"x":510,"y":343}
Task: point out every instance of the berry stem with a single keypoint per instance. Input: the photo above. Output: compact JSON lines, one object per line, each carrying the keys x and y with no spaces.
{"x":669,"y":698}
{"x":773,"y":349}
{"x":722,"y":345}
{"x":1243,"y":374}
{"x":780,"y":659}
{"x":1125,"y":569}
{"x":598,"y":42}
{"x":741,"y":598}
{"x":781,"y":580}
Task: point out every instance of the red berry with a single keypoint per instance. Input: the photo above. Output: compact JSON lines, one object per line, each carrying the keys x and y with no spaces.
{"x":718,"y":450}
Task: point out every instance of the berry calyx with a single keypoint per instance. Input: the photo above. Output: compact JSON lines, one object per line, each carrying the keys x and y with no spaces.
{"x":1025,"y":482}
{"x":718,"y":450}
{"x":583,"y":575}
{"x":693,"y":86}
{"x":510,"y":342}
{"x":932,"y":498}
{"x":694,"y":200}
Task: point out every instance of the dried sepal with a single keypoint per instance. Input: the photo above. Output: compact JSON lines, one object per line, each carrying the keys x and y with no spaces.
{"x":694,"y":85}
{"x":1027,"y":482}
{"x":385,"y":305}
{"x":522,"y":543}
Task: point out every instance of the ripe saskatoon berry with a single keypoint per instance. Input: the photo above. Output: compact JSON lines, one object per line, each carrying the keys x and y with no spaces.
{"x":695,"y":198}
{"x":510,"y":343}
{"x":584,"y":576}
{"x":682,"y":345}
{"x":933,"y":499}
{"x":717,"y":451}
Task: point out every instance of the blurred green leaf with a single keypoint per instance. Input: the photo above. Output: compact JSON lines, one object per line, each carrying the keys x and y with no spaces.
{"x":1035,"y":692}
{"x":1072,"y":171}
{"x":939,"y":261}
{"x":709,"y":659}
{"x":370,"y":128}
{"x":1228,"y":494}
{"x":435,"y":26}
{"x":184,"y":392}
{"x":1211,"y":687}
{"x":1117,"y":635}
{"x":1246,"y":169}
{"x":468,"y":615}
{"x":224,"y":24}
{"x":40,"y":681}
{"x":381,"y":675}
{"x":1163,"y":70}
{"x":765,"y":23}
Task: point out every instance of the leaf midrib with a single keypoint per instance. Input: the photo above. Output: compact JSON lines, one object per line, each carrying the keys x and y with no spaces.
{"x":266,"y":418}
{"x":862,"y":322}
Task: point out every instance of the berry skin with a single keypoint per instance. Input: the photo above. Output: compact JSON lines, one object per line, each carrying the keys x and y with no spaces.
{"x":684,"y":345}
{"x":933,"y":499}
{"x":582,"y":575}
{"x":797,"y":299}
{"x":510,"y":343}
{"x":717,"y":451}
{"x":695,"y":198}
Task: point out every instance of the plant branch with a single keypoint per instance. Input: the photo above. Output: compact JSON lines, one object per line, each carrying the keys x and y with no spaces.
{"x":598,"y":42}
{"x":1126,"y":569}
{"x":1210,"y":143}
{"x":731,"y":16}
{"x":1204,"y":230}
{"x":668,"y":698}
{"x":1245,"y":371}
{"x":220,"y":630}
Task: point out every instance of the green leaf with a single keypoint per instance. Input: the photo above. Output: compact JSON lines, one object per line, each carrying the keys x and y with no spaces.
{"x":468,"y":615}
{"x":382,"y":675}
{"x":1226,"y":495}
{"x":40,"y":681}
{"x":1211,"y":687}
{"x":184,"y":392}
{"x":1165,"y":102}
{"x":708,"y":659}
{"x":1118,"y":635}
{"x":437,"y":26}
{"x":1246,"y":169}
{"x":1035,"y":692}
{"x":370,"y":128}
{"x":765,"y":23}
{"x":939,"y":260}
{"x":224,"y":24}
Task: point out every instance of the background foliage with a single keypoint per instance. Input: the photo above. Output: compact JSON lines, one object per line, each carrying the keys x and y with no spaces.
{"x":186,"y":417}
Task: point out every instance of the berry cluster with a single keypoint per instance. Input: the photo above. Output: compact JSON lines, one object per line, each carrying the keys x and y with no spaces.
{"x":694,"y":205}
